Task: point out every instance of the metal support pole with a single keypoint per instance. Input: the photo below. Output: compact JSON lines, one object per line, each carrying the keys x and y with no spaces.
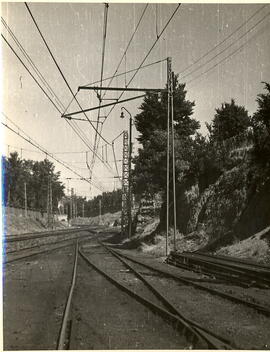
{"x":125,"y":179}
{"x":129,"y":195}
{"x":129,"y":179}
{"x":173,"y":168}
{"x":168,"y":153}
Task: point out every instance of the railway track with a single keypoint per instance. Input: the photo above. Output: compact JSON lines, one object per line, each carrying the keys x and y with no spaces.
{"x":44,"y":234}
{"x":144,"y":292}
{"x":232,"y":270}
{"x":191,"y":282}
{"x":246,"y":262}
{"x":196,"y":335}
{"x":37,"y":249}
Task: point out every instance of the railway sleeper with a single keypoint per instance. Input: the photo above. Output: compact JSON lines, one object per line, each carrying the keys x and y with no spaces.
{"x":235,"y":274}
{"x":192,"y":335}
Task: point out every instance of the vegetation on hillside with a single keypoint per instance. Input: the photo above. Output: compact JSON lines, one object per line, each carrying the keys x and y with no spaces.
{"x":220,"y":178}
{"x":36,"y":175}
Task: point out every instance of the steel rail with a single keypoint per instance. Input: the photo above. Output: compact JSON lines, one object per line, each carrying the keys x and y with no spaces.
{"x":63,"y":329}
{"x":7,"y":252}
{"x":248,"y":263}
{"x":209,"y":272}
{"x":190,"y":333}
{"x":214,"y":341}
{"x":258,"y":307}
{"x":16,"y":238}
{"x":8,"y":261}
{"x":212,"y":264}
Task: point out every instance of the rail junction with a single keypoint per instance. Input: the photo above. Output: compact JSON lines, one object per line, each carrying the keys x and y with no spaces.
{"x":114,"y":298}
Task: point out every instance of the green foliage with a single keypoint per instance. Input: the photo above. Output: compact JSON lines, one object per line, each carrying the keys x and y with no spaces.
{"x":230,"y":120}
{"x":35,"y":174}
{"x":110,"y":203}
{"x":261,"y":129}
{"x":150,"y":164}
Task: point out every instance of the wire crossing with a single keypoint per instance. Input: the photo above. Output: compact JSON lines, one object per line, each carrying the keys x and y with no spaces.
{"x":72,"y":124}
{"x":47,"y":153}
{"x":60,"y":71}
{"x":223,"y":41}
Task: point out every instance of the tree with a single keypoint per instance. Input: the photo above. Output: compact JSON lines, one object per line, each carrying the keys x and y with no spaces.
{"x":151,"y":123}
{"x":230,"y":120}
{"x":35,"y":174}
{"x":14,"y":179}
{"x":261,"y":128}
{"x":262,"y":115}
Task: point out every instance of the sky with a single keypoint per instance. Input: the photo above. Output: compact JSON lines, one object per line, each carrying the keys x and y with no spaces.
{"x":74,"y":33}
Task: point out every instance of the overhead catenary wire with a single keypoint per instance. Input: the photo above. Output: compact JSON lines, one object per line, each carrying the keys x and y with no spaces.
{"x":226,"y":57}
{"x":145,"y":58}
{"x":97,"y":183}
{"x":60,"y":71}
{"x":148,"y":53}
{"x":96,"y":141}
{"x":226,"y":48}
{"x":32,"y":64}
{"x":104,"y":40}
{"x":127,"y":47}
{"x":223,"y":41}
{"x":86,"y":143}
{"x":115,"y":162}
{"x":73,"y":126}
{"x":13,"y":50}
{"x":126,"y":72}
{"x":47,"y":153}
{"x":28,"y":58}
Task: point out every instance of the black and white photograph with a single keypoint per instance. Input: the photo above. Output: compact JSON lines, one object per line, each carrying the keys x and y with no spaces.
{"x":135,"y":175}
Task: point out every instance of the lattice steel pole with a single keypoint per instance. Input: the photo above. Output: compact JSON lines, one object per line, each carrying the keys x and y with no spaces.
{"x":125,"y":183}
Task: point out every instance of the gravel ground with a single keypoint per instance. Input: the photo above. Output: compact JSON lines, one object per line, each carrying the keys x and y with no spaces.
{"x":34,"y":296}
{"x":35,"y":292}
{"x":242,"y":325}
{"x":105,"y":318}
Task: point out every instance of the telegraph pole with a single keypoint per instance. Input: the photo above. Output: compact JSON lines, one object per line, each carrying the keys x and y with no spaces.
{"x":25,"y":200}
{"x":71,"y":204}
{"x":75,"y":206}
{"x":49,"y":203}
{"x":83,"y":209}
{"x":99,"y":203}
